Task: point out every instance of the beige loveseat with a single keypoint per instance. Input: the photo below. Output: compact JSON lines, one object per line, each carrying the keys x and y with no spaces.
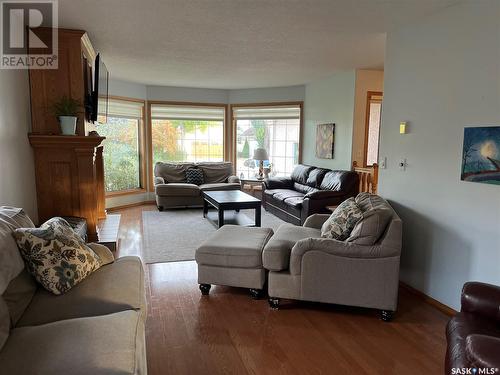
{"x":95,"y":328}
{"x":362,"y":271}
{"x":172,"y":190}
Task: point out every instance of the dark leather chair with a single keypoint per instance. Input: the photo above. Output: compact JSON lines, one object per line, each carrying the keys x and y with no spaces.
{"x":308,"y":190}
{"x":473,"y":334}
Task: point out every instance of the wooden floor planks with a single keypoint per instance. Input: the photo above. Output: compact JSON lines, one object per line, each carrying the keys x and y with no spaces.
{"x":229,"y":333}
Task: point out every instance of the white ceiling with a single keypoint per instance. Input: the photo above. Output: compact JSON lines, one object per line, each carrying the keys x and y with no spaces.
{"x":239,"y":43}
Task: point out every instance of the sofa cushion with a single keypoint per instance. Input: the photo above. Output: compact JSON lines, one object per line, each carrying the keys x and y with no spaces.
{"x":115,"y":287}
{"x":283,"y":194}
{"x":342,"y":221}
{"x":55,"y":255}
{"x":177,"y":190}
{"x":19,"y":294}
{"x":172,"y":172}
{"x":276,"y":255}
{"x":11,"y":262}
{"x":194,"y":176}
{"x":101,"y":345}
{"x":303,"y":188}
{"x":234,"y":246}
{"x":295,"y":202}
{"x":216,"y":172}
{"x":315,"y":177}
{"x":300,"y":173}
{"x":220,"y":186}
{"x":4,"y":322}
{"x":339,"y":180}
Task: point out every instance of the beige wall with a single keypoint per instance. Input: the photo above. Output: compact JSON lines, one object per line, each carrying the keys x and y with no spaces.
{"x":17,"y":181}
{"x":366,"y":80}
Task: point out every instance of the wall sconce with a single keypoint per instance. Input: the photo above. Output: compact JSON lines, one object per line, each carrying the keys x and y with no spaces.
{"x":402,"y":127}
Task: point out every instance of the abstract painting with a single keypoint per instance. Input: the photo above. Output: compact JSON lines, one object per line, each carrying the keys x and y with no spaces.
{"x":481,"y":155}
{"x":325,"y":141}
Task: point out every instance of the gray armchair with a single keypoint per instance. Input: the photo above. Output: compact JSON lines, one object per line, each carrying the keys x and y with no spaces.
{"x":362,"y":271}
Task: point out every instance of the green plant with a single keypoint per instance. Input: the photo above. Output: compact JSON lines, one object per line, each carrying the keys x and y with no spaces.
{"x":66,"y":107}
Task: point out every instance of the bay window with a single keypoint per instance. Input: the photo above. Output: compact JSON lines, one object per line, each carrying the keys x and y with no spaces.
{"x":187,"y":133}
{"x":123,"y":147}
{"x":275,"y":128}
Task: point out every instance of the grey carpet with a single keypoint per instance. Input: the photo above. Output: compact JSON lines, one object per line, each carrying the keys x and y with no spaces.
{"x":174,"y":235}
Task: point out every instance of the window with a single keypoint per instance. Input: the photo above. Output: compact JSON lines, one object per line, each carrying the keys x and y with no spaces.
{"x":187,"y":133}
{"x":274,"y":128}
{"x":374,"y":111}
{"x":123,"y":156}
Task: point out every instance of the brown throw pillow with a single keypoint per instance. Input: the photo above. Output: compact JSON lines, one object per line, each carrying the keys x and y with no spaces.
{"x":55,"y":255}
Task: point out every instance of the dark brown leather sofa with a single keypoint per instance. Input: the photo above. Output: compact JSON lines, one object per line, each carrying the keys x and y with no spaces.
{"x":308,"y":190}
{"x":473,"y":334}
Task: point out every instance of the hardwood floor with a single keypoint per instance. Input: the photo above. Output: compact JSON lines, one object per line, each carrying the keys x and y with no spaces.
{"x":229,"y":333}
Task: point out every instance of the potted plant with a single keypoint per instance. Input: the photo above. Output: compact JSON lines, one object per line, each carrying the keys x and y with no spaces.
{"x":66,"y":110}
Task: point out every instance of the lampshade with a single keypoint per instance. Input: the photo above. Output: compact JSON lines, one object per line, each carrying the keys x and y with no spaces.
{"x":260,"y":154}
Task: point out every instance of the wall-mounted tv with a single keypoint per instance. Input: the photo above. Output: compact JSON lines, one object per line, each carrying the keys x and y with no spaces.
{"x":100,"y":90}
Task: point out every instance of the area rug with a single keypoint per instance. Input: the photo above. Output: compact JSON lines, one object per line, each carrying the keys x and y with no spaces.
{"x":174,"y":235}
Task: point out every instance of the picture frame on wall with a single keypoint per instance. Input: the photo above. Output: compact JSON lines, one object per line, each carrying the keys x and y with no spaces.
{"x":481,"y":155}
{"x":325,"y":141}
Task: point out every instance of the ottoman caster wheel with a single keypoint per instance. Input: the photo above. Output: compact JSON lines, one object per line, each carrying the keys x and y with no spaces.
{"x":274,"y":303}
{"x":256,"y":293}
{"x":205,"y":289}
{"x":160,"y":208}
{"x":386,"y":315}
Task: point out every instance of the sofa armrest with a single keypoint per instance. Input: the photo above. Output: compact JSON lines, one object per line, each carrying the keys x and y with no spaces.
{"x":159,"y":180}
{"x":338,"y":248}
{"x":278,"y":183}
{"x":483,"y":351}
{"x":324,"y":194}
{"x":233,"y":180}
{"x":316,"y":220}
{"x":482,"y":299}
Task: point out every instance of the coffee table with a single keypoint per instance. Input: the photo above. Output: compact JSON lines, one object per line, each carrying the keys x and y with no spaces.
{"x":231,"y":200}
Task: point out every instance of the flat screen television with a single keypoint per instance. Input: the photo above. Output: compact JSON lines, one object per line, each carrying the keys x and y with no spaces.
{"x":100,"y":90}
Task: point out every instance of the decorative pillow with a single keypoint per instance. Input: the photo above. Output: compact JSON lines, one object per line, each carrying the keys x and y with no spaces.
{"x":194,"y":176}
{"x":55,"y":255}
{"x":370,"y":228}
{"x":342,"y":221}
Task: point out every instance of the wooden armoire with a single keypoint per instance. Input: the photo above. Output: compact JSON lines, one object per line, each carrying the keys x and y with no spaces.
{"x":69,"y":169}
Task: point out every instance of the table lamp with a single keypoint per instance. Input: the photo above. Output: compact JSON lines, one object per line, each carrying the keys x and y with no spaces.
{"x":260,"y":154}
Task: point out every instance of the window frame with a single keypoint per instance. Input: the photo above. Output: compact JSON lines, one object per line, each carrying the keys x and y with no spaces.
{"x":371,"y":97}
{"x":150,"y":103}
{"x":232,"y":107}
{"x":142,"y":151}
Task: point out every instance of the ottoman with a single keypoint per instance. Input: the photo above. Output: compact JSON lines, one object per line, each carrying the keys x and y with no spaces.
{"x":232,"y":256}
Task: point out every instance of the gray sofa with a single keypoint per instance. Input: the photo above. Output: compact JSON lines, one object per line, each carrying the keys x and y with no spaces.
{"x":172,"y":191}
{"x":362,"y":271}
{"x":96,"y":328}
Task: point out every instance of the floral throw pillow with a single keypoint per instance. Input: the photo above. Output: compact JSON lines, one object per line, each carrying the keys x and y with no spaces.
{"x":342,"y":221}
{"x":55,"y":255}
